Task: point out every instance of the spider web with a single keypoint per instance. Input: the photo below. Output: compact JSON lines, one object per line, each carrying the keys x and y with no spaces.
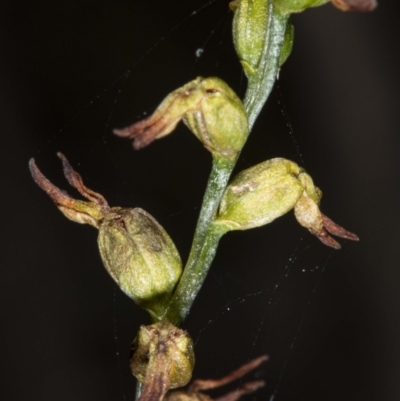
{"x":101,"y":65}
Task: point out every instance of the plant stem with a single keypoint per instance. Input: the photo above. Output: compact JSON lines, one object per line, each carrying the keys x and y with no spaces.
{"x":206,"y":237}
{"x":193,"y":279}
{"x":217,"y":182}
{"x":194,"y":273}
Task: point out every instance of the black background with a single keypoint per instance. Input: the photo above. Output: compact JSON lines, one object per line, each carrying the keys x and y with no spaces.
{"x":72,"y":71}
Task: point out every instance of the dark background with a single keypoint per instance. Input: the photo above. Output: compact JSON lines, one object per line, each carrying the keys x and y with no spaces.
{"x":72,"y":71}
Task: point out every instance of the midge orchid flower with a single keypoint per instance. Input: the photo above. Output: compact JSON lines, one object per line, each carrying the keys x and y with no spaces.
{"x":211,"y":110}
{"x":162,"y":359}
{"x":262,"y":193}
{"x":136,"y":251}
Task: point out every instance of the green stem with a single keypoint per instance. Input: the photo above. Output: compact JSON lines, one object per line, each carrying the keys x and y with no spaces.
{"x":217,"y":182}
{"x":190,"y":284}
{"x":206,"y":237}
{"x":193,"y":278}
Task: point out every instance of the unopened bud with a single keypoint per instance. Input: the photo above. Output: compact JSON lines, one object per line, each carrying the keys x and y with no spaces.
{"x":260,"y":194}
{"x":136,"y":251}
{"x":162,"y":359}
{"x":250,"y":24}
{"x":208,"y":106}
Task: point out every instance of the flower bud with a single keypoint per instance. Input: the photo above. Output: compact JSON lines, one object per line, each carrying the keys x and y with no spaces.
{"x":262,"y":193}
{"x":162,"y":359}
{"x":136,"y":251}
{"x":208,"y":106}
{"x":250,"y":24}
